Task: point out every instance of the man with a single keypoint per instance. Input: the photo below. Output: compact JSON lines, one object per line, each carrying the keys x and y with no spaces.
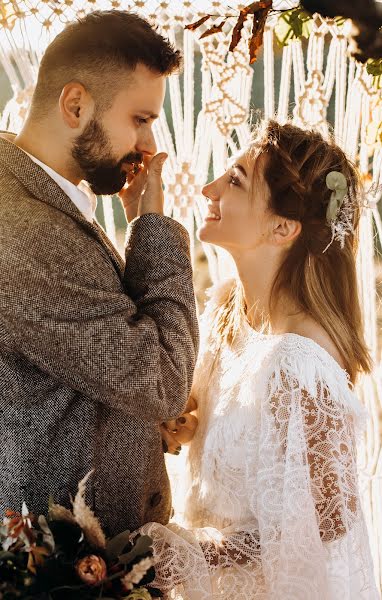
{"x":95,"y":352}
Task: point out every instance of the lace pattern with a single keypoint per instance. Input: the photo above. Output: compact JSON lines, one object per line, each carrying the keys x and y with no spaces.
{"x":273,"y":511}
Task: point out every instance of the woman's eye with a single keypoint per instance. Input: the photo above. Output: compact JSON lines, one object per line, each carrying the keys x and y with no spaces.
{"x":233,"y":180}
{"x":141,"y":120}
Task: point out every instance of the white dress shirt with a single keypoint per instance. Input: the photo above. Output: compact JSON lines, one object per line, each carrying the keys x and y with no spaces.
{"x":81,"y":195}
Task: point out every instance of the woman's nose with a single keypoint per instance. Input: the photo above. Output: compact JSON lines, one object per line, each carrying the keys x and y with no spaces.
{"x":209,"y":191}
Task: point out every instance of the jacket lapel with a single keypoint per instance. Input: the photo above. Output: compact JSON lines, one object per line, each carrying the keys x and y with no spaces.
{"x":38,"y":183}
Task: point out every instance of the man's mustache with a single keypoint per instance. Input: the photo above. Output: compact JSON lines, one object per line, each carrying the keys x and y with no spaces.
{"x":132,"y":158}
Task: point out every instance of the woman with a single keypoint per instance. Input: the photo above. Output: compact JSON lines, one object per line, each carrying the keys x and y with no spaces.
{"x":273,"y":511}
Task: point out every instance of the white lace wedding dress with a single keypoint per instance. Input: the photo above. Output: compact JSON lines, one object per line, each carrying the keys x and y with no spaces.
{"x":273,"y":509}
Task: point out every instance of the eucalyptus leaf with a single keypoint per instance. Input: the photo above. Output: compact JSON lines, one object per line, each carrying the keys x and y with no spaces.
{"x":332,"y":210}
{"x":339,"y":21}
{"x":115,"y":546}
{"x":374,"y":67}
{"x":142,"y":546}
{"x":293,"y":24}
{"x":377,"y":82}
{"x":283,"y":29}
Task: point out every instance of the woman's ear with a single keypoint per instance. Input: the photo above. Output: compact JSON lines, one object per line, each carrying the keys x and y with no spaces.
{"x":286,"y":231}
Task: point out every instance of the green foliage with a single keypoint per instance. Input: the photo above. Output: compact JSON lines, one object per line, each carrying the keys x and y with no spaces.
{"x":293,"y":24}
{"x":374,"y":67}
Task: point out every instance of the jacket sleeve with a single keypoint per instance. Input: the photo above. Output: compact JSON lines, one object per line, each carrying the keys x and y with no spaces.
{"x":130,"y":344}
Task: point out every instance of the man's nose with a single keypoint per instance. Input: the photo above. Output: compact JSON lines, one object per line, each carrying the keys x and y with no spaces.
{"x":146,"y":143}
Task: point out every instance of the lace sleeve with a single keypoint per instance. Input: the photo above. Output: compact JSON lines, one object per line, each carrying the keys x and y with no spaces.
{"x":305,"y":491}
{"x":307,"y":539}
{"x":198,"y":564}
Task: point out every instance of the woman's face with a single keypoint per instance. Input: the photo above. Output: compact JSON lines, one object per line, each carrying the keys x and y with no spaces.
{"x":238,"y":217}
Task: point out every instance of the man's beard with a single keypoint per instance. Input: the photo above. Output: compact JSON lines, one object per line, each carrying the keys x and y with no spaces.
{"x":93,"y":154}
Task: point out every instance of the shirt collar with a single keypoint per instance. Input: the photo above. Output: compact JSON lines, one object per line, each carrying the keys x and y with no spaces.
{"x":81,"y":195}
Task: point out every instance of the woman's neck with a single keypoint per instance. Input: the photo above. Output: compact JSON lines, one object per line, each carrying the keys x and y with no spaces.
{"x":257,"y":274}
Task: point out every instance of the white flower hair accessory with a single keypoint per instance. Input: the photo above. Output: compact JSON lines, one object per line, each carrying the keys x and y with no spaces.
{"x":339,"y":213}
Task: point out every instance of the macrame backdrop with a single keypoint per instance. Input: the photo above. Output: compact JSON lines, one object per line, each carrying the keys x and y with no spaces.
{"x":315,"y":77}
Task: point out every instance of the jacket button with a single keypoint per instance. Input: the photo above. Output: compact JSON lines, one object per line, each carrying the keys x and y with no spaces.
{"x":155,"y":499}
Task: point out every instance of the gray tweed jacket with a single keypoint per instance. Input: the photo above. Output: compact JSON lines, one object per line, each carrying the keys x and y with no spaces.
{"x":94,"y":352}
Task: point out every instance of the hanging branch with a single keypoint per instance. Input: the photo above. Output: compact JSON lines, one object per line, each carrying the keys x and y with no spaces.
{"x":213,"y":29}
{"x":259,"y":10}
{"x":296,"y":23}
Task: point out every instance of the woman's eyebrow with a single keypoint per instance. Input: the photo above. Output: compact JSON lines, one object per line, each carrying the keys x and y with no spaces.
{"x":240,"y":168}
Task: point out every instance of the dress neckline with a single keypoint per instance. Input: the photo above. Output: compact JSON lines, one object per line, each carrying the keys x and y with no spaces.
{"x":320,"y":350}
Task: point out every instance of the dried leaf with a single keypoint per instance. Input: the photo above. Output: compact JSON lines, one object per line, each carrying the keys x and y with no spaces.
{"x":237,"y":30}
{"x":213,"y":29}
{"x":197,"y":24}
{"x":256,"y":39}
{"x":59,"y":513}
{"x":256,"y":7}
{"x":36,"y":558}
{"x":86,"y":518}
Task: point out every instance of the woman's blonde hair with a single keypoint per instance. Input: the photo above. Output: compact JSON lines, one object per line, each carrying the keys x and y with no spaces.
{"x":324,"y":284}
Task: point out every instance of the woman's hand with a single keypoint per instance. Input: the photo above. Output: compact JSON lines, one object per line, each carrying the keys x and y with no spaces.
{"x":152,"y":199}
{"x":181,"y":430}
{"x":144,"y":191}
{"x":130,"y":195}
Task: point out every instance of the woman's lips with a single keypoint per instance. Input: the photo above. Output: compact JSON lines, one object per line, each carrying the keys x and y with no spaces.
{"x":212,"y":216}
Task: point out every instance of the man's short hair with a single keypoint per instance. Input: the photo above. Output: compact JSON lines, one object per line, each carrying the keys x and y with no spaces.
{"x":95,"y":50}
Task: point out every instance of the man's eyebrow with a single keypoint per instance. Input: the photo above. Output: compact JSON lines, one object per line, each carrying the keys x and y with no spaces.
{"x":240,"y":168}
{"x":149,"y":114}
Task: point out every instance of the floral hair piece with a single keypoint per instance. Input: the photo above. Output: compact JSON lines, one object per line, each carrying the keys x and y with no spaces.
{"x":339,"y":213}
{"x":335,"y":181}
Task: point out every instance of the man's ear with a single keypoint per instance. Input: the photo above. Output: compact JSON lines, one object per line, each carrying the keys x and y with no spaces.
{"x":286,"y":231}
{"x":76,"y":104}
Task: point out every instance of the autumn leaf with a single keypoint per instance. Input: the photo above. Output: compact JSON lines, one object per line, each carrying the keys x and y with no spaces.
{"x":213,"y":29}
{"x":197,"y":24}
{"x":256,"y":9}
{"x":36,"y":558}
{"x":256,"y":39}
{"x":237,"y":30}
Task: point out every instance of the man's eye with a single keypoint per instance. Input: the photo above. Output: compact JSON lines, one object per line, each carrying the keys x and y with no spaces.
{"x":233,"y":180}
{"x":141,"y":120}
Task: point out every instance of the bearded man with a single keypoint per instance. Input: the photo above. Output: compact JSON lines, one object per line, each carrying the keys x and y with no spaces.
{"x":95,"y":351}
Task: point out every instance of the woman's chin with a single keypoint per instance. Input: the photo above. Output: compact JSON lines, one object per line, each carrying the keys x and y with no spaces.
{"x":203,"y":234}
{"x":206,"y":232}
